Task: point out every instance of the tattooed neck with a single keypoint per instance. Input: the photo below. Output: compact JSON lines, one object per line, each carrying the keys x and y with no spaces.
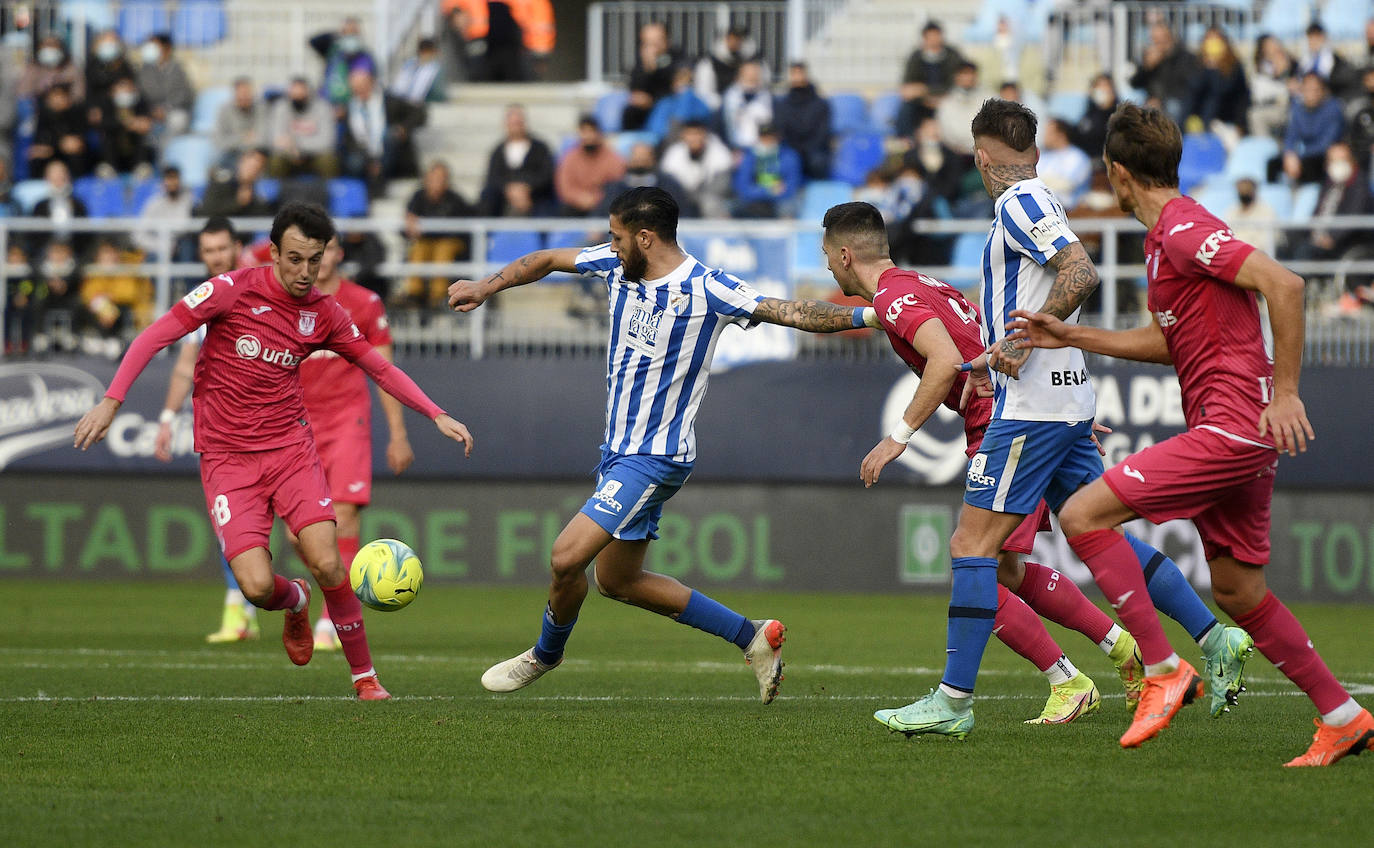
{"x":1003,"y":177}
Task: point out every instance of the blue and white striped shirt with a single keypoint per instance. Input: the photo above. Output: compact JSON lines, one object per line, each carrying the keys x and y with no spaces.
{"x":663,"y":335}
{"x":1028,"y":229}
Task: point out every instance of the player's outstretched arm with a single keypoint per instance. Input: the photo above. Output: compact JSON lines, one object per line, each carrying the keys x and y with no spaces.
{"x":933,"y":342}
{"x":467,"y":295}
{"x":1285,"y":416}
{"x":398,"y":384}
{"x":1039,"y":329}
{"x":96,"y":422}
{"x":815,"y":316}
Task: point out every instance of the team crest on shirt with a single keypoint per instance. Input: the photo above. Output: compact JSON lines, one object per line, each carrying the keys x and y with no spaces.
{"x":306,"y":322}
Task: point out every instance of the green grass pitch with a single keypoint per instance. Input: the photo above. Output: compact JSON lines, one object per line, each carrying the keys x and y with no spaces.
{"x":120,"y":726}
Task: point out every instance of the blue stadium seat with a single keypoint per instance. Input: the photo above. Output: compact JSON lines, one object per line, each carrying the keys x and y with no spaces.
{"x":1286,"y":21}
{"x":194,"y":155}
{"x":625,"y":140}
{"x":1217,"y":195}
{"x":967,"y":254}
{"x":198,"y":23}
{"x":820,"y":195}
{"x":882,"y":112}
{"x":508,"y":245}
{"x":268,"y":188}
{"x":855,"y":156}
{"x":1028,"y":20}
{"x":139,"y":19}
{"x":140,"y":192}
{"x":1250,"y":157}
{"x":610,"y":108}
{"x":1068,"y":105}
{"x":104,"y":198}
{"x":1203,"y":155}
{"x":848,"y":113}
{"x":559,"y":239}
{"x":1305,"y":202}
{"x":1280,"y":199}
{"x":207,"y":106}
{"x":347,"y":197}
{"x":28,"y":193}
{"x":1345,"y":19}
{"x":95,"y":14}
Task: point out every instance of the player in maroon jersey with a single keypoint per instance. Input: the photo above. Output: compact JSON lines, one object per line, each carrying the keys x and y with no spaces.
{"x":934,"y":329}
{"x":252,"y":430}
{"x":1242,"y":411}
{"x":340,"y":408}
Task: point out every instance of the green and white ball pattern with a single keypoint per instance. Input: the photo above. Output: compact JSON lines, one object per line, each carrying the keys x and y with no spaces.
{"x":386,"y":575}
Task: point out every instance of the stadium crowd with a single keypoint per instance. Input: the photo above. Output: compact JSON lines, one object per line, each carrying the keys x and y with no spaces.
{"x":1272,"y":133}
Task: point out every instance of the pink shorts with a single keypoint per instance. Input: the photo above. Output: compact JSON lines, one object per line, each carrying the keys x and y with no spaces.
{"x":344,"y":442}
{"x":244,"y":490}
{"x":1224,"y":484}
{"x":1022,"y":539}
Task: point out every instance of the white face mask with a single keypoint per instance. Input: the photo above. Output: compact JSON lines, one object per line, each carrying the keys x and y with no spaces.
{"x":1340,"y":171}
{"x":125,"y":99}
{"x":1103,"y":97}
{"x":151,"y":53}
{"x":107,"y":51}
{"x":50,"y":57}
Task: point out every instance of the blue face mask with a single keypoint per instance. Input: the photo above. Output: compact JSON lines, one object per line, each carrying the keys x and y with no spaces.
{"x":349,"y":44}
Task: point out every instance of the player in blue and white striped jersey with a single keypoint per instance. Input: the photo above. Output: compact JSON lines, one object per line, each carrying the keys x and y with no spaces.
{"x":667,"y":310}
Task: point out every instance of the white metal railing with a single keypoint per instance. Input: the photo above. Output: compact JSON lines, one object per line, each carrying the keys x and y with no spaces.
{"x":1348,"y":340}
{"x":693,"y":29}
{"x":1112,"y":35}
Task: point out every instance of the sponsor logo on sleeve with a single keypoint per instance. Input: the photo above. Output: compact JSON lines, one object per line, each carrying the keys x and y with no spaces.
{"x":1211,"y":245}
{"x":1045,"y":232}
{"x":199,"y":294}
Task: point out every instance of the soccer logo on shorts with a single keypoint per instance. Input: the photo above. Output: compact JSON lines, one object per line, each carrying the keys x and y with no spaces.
{"x":247,"y":347}
{"x":306,"y":322}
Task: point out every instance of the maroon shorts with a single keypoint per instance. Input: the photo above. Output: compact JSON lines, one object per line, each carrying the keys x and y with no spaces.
{"x":1224,"y":483}
{"x":344,"y":442}
{"x":244,"y":490}
{"x":1022,"y":539}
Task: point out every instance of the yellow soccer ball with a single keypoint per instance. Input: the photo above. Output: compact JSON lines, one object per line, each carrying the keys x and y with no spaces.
{"x":386,"y":575}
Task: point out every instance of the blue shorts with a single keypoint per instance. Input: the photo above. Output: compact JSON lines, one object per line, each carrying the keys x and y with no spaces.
{"x":1020,"y":462}
{"x":630,"y":492}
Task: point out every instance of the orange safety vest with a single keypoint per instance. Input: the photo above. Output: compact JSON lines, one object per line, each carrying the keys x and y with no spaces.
{"x":535,"y":18}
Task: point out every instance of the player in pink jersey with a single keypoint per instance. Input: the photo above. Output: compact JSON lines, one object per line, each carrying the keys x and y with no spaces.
{"x":1242,"y":411}
{"x":340,"y":407}
{"x":252,"y":429}
{"x":934,"y":329}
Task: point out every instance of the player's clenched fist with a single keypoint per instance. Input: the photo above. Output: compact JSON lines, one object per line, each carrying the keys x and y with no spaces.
{"x":455,"y":430}
{"x":466,"y":295}
{"x":96,"y":423}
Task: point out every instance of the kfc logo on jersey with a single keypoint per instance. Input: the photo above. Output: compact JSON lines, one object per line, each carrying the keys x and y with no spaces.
{"x":199,"y":294}
{"x":1211,"y":245}
{"x":306,"y":322}
{"x":894,"y":310}
{"x":247,"y":347}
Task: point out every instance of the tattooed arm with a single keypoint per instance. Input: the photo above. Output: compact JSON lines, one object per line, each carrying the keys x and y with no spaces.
{"x":1075,"y":278}
{"x":467,"y":295}
{"x":814,"y":316}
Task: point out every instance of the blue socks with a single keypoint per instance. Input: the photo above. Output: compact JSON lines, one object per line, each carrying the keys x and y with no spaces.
{"x":705,"y":614}
{"x":1170,"y":591}
{"x":552,"y":637}
{"x":229,"y":580}
{"x":972,"y":608}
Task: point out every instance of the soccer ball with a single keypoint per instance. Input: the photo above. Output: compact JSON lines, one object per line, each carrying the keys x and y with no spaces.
{"x":386,"y":575}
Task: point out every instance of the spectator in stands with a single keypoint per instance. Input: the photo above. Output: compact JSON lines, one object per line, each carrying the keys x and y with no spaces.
{"x":366,"y":253}
{"x":928,"y":74}
{"x":942,"y":170}
{"x":1166,"y":72}
{"x":1274,"y":84}
{"x":1089,"y":134}
{"x":56,"y":303}
{"x":434,"y":199}
{"x":1362,"y":126}
{"x":671,"y":112}
{"x":582,"y":176}
{"x":20,"y":300}
{"x":520,"y":169}
{"x":378,"y":133}
{"x":420,"y":79}
{"x":803,"y":122}
{"x":9,"y":106}
{"x":642,"y":169}
{"x":234,"y":193}
{"x":240,"y":124}
{"x":499,"y":38}
{"x":116,"y":301}
{"x":303,"y":130}
{"x":166,"y":87}
{"x":651,"y":78}
{"x":1221,"y":96}
{"x":1251,"y":218}
{"x":716,"y":71}
{"x":60,"y":206}
{"x":171,"y":202}
{"x":1315,"y":122}
{"x":909,"y":200}
{"x":957,"y":108}
{"x":107,"y":63}
{"x":703,"y":165}
{"x":1341,"y":78}
{"x":51,"y":65}
{"x":343,"y":52}
{"x":768,"y":178}
{"x":747,"y":106}
{"x":7,"y":205}
{"x":1344,"y":191}
{"x":60,"y":133}
{"x":537,"y":33}
{"x":1064,"y":168}
{"x":125,"y":131}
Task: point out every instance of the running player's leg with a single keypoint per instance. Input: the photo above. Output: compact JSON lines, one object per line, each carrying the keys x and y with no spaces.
{"x":1072,"y":693}
{"x":343,"y":441}
{"x":239,"y":619}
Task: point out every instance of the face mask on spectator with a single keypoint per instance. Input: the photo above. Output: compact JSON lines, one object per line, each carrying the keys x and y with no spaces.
{"x":151,"y":53}
{"x":60,"y":268}
{"x":107,"y":51}
{"x":1246,"y":198}
{"x":349,"y":44}
{"x":1103,"y":97}
{"x":299,"y":105}
{"x":1340,"y":171}
{"x":766,"y":148}
{"x":50,"y":57}
{"x":125,"y":99}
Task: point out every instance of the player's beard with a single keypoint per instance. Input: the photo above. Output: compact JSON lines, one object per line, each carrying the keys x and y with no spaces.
{"x":635,"y":263}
